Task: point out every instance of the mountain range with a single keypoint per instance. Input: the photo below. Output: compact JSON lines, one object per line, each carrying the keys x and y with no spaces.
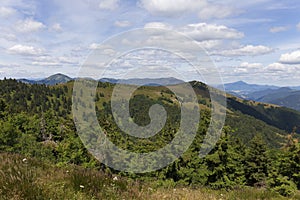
{"x":51,"y":80}
{"x":283,"y":96}
{"x":61,"y":78}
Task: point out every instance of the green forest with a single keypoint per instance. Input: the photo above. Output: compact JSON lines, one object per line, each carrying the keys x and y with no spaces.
{"x":42,"y":156}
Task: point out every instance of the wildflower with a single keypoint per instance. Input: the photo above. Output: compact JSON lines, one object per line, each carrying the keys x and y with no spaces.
{"x":115,"y":178}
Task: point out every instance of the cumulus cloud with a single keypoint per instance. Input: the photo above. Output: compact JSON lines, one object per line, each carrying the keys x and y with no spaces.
{"x":210,"y":44}
{"x":290,"y":58}
{"x":108,"y":4}
{"x":171,"y":7}
{"x":276,"y":67}
{"x":25,"y":50}
{"x":157,"y":25}
{"x":278,"y":29}
{"x":56,"y":27}
{"x":215,"y":11}
{"x":6,"y":11}
{"x":202,"y":8}
{"x":248,"y":50}
{"x":251,"y":65}
{"x":29,"y":25}
{"x":246,"y":68}
{"x":8,"y":36}
{"x":122,"y":23}
{"x":94,"y":46}
{"x":53,"y":61}
{"x":240,"y":70}
{"x":204,"y":31}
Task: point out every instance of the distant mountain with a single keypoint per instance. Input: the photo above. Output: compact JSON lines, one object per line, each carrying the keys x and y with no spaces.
{"x":144,"y":81}
{"x":55,"y":79}
{"x":270,"y":94}
{"x":51,"y":80}
{"x":27,"y":81}
{"x":61,"y":78}
{"x":283,"y":97}
{"x":242,"y":89}
{"x":295,"y":87}
{"x":291,"y":101}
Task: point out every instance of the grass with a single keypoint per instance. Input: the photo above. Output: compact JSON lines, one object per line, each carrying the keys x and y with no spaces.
{"x":31,"y":179}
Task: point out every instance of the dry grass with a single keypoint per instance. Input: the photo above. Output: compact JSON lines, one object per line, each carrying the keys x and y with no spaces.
{"x":32,"y":179}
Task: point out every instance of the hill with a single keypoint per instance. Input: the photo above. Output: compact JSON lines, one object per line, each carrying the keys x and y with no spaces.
{"x":242,"y":89}
{"x":254,"y":148}
{"x":145,"y":81}
{"x":51,"y":80}
{"x":285,"y":96}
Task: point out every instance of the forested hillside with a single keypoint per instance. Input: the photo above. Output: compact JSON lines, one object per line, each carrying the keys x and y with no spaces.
{"x":258,"y":147}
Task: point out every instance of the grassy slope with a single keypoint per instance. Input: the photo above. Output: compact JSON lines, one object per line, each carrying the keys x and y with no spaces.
{"x":33,"y":179}
{"x":248,"y":118}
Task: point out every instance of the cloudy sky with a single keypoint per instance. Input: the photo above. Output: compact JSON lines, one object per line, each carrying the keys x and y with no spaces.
{"x":255,"y":41}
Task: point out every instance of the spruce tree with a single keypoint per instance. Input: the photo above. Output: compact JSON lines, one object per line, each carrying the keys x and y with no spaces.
{"x":256,"y":166}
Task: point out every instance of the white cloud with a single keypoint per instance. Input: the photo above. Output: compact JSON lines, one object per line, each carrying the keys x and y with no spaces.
{"x":208,"y":36}
{"x":210,"y":44}
{"x":94,"y":46}
{"x":6,"y":11}
{"x":108,"y":4}
{"x":202,"y":8}
{"x":25,"y":50}
{"x":204,"y":31}
{"x":56,"y":27}
{"x":276,"y":67}
{"x":47,"y":60}
{"x":104,"y":49}
{"x":290,"y":58}
{"x":29,"y":25}
{"x":122,"y":23}
{"x":171,"y":7}
{"x":239,"y":71}
{"x":248,"y":50}
{"x":44,"y":64}
{"x":8,"y":36}
{"x":246,"y":68}
{"x":252,"y":65}
{"x":157,"y":25}
{"x":215,"y":11}
{"x":278,"y":29}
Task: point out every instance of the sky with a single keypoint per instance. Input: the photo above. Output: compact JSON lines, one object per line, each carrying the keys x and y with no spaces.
{"x":255,"y":41}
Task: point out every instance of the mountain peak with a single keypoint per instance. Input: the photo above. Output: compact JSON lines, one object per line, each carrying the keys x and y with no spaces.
{"x":241,"y":82}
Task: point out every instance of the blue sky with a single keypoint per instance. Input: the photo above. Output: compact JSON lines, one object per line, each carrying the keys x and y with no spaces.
{"x":256,"y":41}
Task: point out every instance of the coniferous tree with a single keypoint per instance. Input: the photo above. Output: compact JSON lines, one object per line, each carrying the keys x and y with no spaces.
{"x":256,"y":166}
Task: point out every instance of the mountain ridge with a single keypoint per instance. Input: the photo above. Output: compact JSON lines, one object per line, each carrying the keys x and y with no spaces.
{"x":283,"y":96}
{"x":62,"y":78}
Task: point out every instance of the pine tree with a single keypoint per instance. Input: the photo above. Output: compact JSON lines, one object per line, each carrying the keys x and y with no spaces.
{"x":256,"y":169}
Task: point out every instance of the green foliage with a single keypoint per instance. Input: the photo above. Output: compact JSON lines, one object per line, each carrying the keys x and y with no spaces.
{"x":36,"y":121}
{"x":256,"y":169}
{"x":225,"y":164}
